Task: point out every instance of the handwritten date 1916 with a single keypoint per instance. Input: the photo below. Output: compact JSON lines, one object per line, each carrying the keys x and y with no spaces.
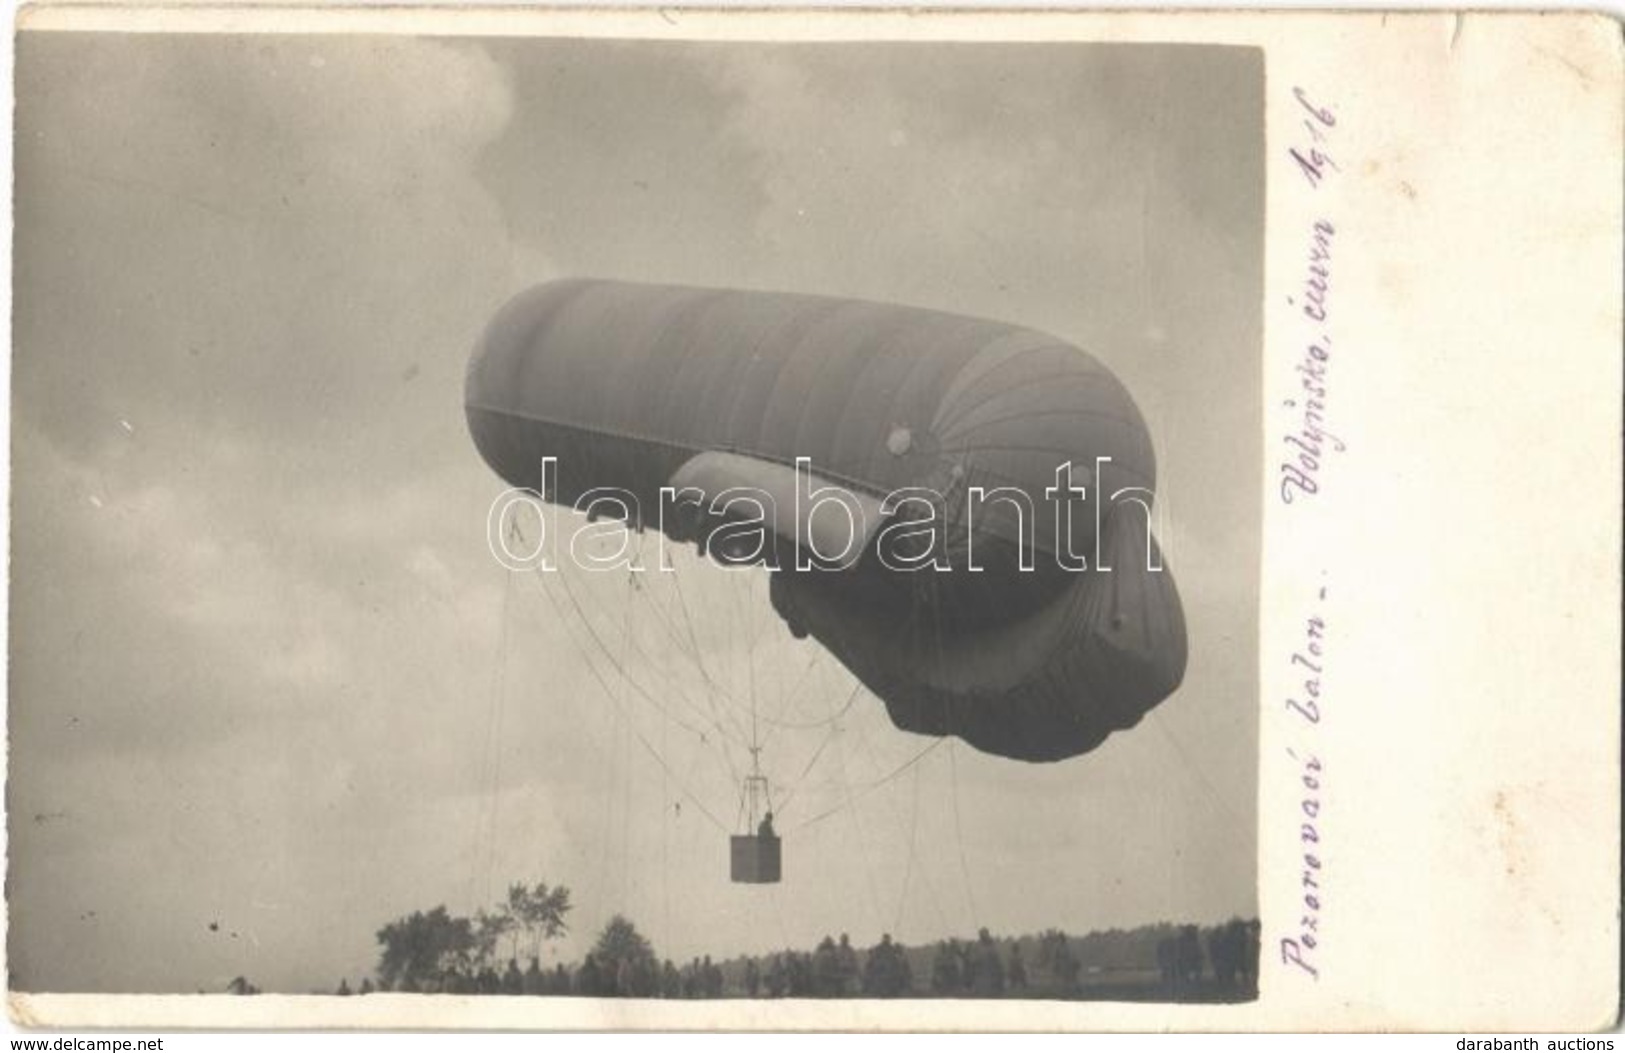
{"x":1312,"y":158}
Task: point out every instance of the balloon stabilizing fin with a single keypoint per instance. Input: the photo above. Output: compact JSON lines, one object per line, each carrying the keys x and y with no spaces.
{"x":832,"y":523}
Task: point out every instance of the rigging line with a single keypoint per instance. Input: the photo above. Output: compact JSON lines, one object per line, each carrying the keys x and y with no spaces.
{"x":750,"y":686}
{"x":1152,"y":159}
{"x":1013,"y":447}
{"x":1046,"y":380}
{"x":862,"y":840}
{"x":737,"y":624}
{"x":926,"y":624}
{"x":665,"y":833}
{"x":476,"y":830}
{"x":861,"y":732}
{"x":668,"y":623}
{"x":1033,"y":414}
{"x":778,"y":916}
{"x":610,"y":694}
{"x":704,"y":715}
{"x":776,"y":724}
{"x":935,"y":629}
{"x":685,"y":725}
{"x":767,"y":681}
{"x":1213,"y":793}
{"x":492,"y":755}
{"x":795,"y":688}
{"x":936,"y":900}
{"x":476,"y":846}
{"x":658,"y":759}
{"x":676,"y":692}
{"x":697,"y":732}
{"x":908,"y":869}
{"x":869,"y":788}
{"x":626,"y":751}
{"x":699,"y":659}
{"x":959,"y":836}
{"x":834,"y":728}
{"x":717,"y":751}
{"x":675,"y":689}
{"x":617,"y":751}
{"x":609,"y":656}
{"x":821,"y":722}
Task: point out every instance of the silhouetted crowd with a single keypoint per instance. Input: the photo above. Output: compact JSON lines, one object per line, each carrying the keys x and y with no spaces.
{"x":1232,"y":950}
{"x":980,"y":968}
{"x":831,"y":971}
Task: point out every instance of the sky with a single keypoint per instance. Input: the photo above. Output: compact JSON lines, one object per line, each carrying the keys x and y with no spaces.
{"x":268,"y":689}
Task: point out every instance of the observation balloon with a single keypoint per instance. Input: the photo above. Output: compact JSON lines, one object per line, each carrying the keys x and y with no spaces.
{"x":926,"y":489}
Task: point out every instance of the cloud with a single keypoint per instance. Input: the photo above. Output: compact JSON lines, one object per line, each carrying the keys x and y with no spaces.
{"x":218,"y":233}
{"x":914,"y":180}
{"x":260,"y":654}
{"x":249,"y":272}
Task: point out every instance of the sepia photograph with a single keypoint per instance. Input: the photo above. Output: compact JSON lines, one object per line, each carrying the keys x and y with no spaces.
{"x":589,"y":518}
{"x":702,"y":523}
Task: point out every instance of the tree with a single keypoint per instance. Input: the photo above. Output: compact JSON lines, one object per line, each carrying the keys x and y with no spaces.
{"x":1190,"y":955}
{"x":886,"y":972}
{"x":847,"y":959}
{"x":1249,"y":954}
{"x":827,"y":976}
{"x":621,"y":943}
{"x":1168,"y":960}
{"x":945,"y":974}
{"x":535,"y":982}
{"x":421,"y":946}
{"x":489,"y":929}
{"x":1226,"y":945}
{"x":1055,"y":954}
{"x":539,"y":912}
{"x":589,"y":980}
{"x":799,"y":978}
{"x":671,"y":981}
{"x":987,"y":970}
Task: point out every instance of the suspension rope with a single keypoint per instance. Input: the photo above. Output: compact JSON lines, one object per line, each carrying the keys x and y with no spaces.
{"x":611,"y":695}
{"x":775,"y":722}
{"x":1191,"y":766}
{"x":620,"y":668}
{"x":834,"y":728}
{"x":908,"y":869}
{"x":959,"y":836}
{"x":699,"y":660}
{"x":868,"y":788}
{"x":490,"y":756}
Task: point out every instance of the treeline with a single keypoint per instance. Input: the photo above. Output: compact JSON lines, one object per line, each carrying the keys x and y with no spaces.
{"x":434,"y":952}
{"x":1181,"y":962}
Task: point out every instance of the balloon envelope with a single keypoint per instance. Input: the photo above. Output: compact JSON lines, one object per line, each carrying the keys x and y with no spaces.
{"x":1003,"y":642}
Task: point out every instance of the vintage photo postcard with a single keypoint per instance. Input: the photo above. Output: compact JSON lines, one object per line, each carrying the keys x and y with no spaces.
{"x":874,"y":520}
